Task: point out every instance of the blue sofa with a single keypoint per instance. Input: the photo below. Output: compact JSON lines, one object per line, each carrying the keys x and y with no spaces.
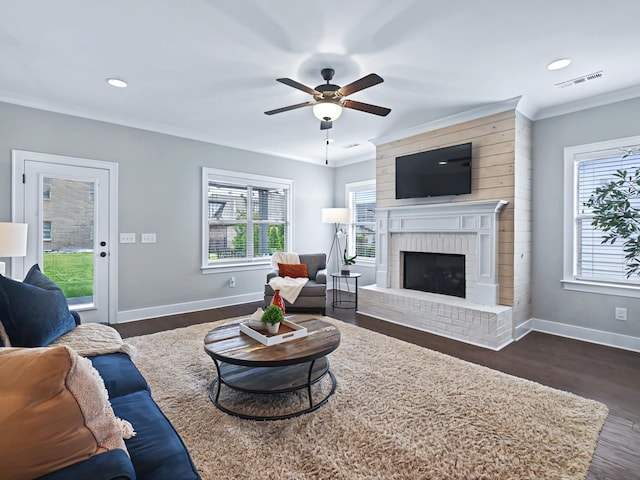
{"x":34,"y":313}
{"x":155,"y":452}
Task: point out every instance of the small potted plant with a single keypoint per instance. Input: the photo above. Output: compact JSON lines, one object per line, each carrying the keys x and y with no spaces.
{"x":347,"y":261}
{"x":272,"y":317}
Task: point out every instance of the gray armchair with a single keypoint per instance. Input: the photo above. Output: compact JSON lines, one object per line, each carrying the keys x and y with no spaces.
{"x":314,"y":294}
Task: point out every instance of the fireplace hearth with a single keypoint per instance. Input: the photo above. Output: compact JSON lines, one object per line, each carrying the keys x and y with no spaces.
{"x":434,"y":273}
{"x":467,"y":231}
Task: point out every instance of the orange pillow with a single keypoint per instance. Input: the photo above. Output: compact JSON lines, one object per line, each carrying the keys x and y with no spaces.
{"x":293,"y":270}
{"x":54,"y":411}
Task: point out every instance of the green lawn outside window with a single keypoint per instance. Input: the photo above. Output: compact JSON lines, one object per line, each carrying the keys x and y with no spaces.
{"x":72,"y":272}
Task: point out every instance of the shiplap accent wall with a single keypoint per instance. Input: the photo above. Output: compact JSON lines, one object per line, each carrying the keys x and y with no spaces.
{"x":522,"y":222}
{"x":501,"y":169}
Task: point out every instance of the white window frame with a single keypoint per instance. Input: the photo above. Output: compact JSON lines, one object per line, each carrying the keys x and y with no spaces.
{"x":348,"y":189}
{"x":572,"y":157}
{"x":240,"y":179}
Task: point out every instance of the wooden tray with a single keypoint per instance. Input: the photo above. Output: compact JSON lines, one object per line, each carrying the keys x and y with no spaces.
{"x":288,"y":331}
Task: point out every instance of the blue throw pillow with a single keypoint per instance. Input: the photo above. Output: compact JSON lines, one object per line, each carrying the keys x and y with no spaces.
{"x":35,"y":312}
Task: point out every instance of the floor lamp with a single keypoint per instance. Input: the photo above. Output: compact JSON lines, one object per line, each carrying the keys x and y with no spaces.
{"x":337,"y":216}
{"x":13,"y":241}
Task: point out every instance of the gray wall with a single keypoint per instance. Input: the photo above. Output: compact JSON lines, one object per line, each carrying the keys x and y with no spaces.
{"x":160,"y":191}
{"x":357,"y":172}
{"x":550,"y":136}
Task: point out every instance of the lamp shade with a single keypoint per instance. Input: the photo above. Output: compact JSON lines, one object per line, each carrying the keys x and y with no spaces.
{"x":336,"y":215}
{"x":13,"y":239}
{"x":327,"y":110}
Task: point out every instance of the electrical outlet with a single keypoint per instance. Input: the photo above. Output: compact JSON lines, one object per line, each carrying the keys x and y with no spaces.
{"x":232,"y":282}
{"x":147,"y":238}
{"x":127,"y":238}
{"x":621,"y":314}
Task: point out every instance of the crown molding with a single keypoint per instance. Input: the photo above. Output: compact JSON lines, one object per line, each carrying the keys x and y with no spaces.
{"x":586,"y":103}
{"x":52,"y":107}
{"x":473,"y":114}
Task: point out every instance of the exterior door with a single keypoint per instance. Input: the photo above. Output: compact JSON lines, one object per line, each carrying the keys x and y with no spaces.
{"x":67,"y":206}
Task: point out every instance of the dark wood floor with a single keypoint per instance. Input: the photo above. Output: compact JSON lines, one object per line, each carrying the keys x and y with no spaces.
{"x":609,"y":375}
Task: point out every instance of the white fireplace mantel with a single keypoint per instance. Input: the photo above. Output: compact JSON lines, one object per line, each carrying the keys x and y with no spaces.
{"x":479,"y":218}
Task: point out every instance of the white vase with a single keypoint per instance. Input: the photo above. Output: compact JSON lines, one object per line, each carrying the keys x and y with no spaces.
{"x":273,"y":328}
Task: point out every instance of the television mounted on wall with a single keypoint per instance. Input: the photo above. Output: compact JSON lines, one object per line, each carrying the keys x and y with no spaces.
{"x":434,"y":173}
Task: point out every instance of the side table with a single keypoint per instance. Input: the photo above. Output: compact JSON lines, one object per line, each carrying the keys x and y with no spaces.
{"x":337,"y":301}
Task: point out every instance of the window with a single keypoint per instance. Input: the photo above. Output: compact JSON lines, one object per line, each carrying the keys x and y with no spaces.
{"x":46,"y":231}
{"x":46,"y":190}
{"x":246,"y":218}
{"x":361,"y":199}
{"x":590,"y":265}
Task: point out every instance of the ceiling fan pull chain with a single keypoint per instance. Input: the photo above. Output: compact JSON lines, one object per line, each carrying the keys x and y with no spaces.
{"x":326,"y":149}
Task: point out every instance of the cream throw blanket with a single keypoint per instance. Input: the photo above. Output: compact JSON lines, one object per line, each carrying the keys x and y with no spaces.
{"x":91,"y":339}
{"x":289,"y":287}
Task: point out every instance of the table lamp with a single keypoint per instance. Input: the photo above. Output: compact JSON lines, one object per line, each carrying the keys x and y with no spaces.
{"x":13,"y":241}
{"x":337,"y":216}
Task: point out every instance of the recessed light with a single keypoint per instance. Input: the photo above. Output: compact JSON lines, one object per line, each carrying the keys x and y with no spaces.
{"x":116,"y":82}
{"x":558,"y":64}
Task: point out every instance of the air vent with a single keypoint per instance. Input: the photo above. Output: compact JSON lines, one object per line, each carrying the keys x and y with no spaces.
{"x":584,"y":78}
{"x":351,"y":145}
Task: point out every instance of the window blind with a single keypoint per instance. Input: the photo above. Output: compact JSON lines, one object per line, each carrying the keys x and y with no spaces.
{"x":362,"y":232}
{"x":242,"y":228}
{"x":595,"y":260}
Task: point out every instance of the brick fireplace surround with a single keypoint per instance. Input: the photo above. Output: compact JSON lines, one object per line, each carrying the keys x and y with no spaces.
{"x":467,"y":228}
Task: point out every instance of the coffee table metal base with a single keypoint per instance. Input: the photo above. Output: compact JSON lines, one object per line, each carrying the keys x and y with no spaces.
{"x":271,"y":381}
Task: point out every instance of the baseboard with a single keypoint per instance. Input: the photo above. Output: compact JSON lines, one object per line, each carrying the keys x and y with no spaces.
{"x":178,"y":308}
{"x":616,"y":340}
{"x":522,"y":329}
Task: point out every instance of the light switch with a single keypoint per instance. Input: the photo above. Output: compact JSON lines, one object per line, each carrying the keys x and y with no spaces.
{"x":147,"y":238}
{"x":127,"y":238}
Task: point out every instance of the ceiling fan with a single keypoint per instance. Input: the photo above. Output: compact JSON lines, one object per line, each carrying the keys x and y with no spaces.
{"x":329,"y":99}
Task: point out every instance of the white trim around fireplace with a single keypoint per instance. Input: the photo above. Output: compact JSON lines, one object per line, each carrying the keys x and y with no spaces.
{"x":476,"y":218}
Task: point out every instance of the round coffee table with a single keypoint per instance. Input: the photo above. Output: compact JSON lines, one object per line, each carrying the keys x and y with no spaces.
{"x":246,"y":365}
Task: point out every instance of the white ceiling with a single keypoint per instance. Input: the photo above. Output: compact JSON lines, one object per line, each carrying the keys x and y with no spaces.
{"x":206,"y":69}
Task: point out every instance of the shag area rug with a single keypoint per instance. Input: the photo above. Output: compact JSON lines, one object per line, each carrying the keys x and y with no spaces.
{"x":399,"y":412}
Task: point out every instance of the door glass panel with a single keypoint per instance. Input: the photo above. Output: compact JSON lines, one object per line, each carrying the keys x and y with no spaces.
{"x":68,"y":213}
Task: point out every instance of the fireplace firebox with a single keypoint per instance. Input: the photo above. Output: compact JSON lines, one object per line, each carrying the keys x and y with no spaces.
{"x":442,"y":273}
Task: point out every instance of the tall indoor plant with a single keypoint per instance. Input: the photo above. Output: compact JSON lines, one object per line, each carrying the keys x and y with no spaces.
{"x":616,"y":210}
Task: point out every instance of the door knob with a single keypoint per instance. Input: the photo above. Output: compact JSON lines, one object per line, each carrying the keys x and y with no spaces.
{"x":103,"y":254}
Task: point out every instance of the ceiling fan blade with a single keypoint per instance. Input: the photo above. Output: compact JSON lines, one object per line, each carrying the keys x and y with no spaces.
{"x":290,"y":107}
{"x":365,"y":82}
{"x":324,"y":125}
{"x":298,"y":85}
{"x":365,"y":107}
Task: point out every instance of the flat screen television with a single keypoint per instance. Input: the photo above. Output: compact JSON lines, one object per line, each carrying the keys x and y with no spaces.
{"x":444,"y":171}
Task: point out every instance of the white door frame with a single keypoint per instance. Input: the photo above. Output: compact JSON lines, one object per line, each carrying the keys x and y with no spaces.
{"x":18,"y":158}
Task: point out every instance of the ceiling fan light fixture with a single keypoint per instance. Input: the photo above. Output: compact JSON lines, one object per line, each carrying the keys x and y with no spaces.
{"x":327,"y":110}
